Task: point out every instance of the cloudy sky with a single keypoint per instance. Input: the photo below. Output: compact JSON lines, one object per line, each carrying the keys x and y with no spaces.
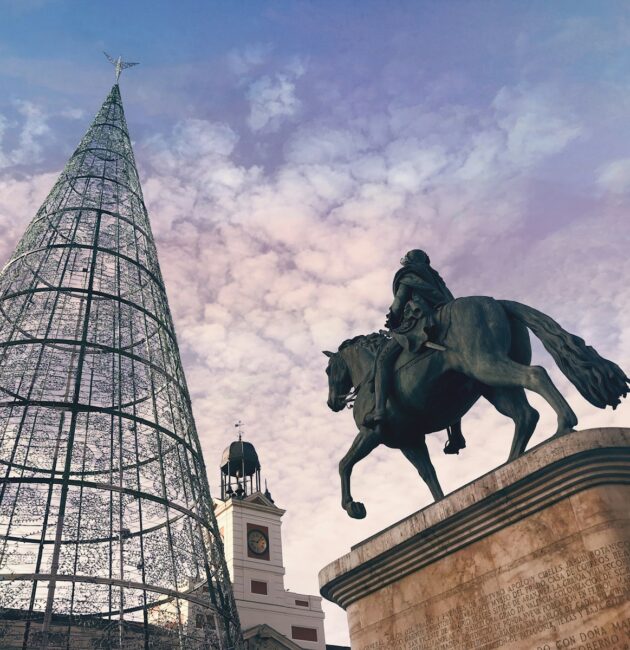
{"x":292,"y":151}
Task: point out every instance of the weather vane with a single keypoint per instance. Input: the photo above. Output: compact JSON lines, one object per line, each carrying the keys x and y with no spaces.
{"x":119,"y":64}
{"x":239,"y":425}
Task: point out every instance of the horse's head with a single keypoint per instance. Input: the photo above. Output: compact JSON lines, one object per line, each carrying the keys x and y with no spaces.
{"x":339,"y":381}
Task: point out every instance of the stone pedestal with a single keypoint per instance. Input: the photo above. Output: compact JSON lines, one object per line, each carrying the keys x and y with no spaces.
{"x":534,"y":555}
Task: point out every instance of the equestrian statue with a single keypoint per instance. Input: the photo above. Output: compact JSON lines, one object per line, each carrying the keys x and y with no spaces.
{"x":439,"y":355}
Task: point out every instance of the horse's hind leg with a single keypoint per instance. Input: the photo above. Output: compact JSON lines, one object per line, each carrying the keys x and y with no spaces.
{"x":500,"y":372}
{"x":419,"y":458}
{"x":513,"y":403}
{"x":365,"y":442}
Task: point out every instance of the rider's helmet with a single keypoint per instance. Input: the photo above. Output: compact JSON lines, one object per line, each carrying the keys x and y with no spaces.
{"x":415,"y":256}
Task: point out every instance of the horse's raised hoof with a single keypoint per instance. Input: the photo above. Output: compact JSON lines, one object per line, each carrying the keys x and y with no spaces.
{"x":355,"y":509}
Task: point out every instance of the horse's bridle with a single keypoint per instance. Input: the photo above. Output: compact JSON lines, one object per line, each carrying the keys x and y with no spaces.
{"x":350,"y":397}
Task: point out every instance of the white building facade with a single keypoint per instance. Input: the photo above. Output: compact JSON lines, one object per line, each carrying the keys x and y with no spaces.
{"x":250,"y":524}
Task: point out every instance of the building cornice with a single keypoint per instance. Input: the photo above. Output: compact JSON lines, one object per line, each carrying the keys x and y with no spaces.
{"x":224,"y":506}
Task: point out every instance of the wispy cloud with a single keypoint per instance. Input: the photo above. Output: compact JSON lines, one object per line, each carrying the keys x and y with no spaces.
{"x":244,"y":60}
{"x":26,"y":133}
{"x":31,"y":135}
{"x":535,"y":122}
{"x":614,"y":176}
{"x":34,"y":130}
{"x":273,"y":98}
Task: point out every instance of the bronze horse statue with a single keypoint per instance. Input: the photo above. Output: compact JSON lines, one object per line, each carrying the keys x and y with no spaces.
{"x":487,"y":353}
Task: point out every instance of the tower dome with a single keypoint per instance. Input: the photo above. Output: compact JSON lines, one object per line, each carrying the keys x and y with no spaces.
{"x":240,"y":459}
{"x":239,"y":462}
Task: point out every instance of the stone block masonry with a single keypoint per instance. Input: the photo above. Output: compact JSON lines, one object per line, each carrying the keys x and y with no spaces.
{"x":534,"y":555}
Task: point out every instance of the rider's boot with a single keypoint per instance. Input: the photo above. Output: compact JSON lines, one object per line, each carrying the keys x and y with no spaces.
{"x":384,"y":363}
{"x":456,"y":440}
{"x":374,"y":419}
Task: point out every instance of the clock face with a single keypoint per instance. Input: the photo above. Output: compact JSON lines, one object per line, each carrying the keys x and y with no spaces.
{"x":257,"y":542}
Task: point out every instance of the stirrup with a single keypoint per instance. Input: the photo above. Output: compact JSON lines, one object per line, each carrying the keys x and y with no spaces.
{"x":454,"y":446}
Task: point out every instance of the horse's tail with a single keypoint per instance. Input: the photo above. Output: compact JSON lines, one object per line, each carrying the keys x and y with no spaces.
{"x":599,"y":380}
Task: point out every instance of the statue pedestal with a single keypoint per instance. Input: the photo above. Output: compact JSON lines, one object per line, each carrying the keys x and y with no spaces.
{"x":534,"y":555}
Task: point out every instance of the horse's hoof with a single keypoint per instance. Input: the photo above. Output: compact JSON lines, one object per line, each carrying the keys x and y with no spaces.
{"x":454,"y":446}
{"x":356,"y":510}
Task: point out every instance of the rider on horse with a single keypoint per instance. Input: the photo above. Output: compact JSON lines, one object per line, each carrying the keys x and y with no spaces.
{"x":418,"y":291}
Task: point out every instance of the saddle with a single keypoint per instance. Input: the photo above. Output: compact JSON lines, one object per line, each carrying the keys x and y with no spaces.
{"x":418,"y":327}
{"x":414,"y":339}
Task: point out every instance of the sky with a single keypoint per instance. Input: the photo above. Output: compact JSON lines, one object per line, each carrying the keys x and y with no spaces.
{"x":291,"y":152}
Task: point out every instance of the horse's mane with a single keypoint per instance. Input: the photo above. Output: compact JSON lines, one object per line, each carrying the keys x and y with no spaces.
{"x":373,"y":342}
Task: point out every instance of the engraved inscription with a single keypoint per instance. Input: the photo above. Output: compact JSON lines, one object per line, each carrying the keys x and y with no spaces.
{"x":560,"y":598}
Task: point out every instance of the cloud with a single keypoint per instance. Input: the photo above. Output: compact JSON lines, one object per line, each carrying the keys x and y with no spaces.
{"x":33,"y":134}
{"x":19,"y":200}
{"x":34,"y":130}
{"x":535,"y":123}
{"x":272,"y":99}
{"x":241,"y":61}
{"x":614,"y":177}
{"x":299,"y":257}
{"x":72,"y":113}
{"x":296,"y":259}
{"x":26,"y":134}
{"x":4,"y":158}
{"x":195,"y":139}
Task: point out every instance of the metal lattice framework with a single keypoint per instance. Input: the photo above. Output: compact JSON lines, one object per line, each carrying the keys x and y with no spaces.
{"x":107,"y":532}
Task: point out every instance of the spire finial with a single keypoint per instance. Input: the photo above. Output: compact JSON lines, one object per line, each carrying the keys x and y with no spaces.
{"x":119,"y":64}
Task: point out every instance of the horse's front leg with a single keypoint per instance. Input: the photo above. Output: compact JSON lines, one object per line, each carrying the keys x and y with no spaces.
{"x":365,"y":441}
{"x":420,"y":459}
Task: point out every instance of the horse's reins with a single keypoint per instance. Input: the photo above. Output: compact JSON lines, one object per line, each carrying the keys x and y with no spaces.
{"x":349,"y":398}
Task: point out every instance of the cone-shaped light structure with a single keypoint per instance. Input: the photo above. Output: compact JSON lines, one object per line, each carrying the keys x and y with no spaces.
{"x":107,"y":532}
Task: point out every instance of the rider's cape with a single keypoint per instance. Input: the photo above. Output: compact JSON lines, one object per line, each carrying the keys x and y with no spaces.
{"x":426,"y":281}
{"x":428,"y":292}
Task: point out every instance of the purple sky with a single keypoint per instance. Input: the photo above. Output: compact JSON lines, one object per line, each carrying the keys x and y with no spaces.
{"x":291,"y":152}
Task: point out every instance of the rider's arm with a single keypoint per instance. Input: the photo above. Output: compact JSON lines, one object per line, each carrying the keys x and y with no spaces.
{"x":400,"y":300}
{"x":430,"y":293}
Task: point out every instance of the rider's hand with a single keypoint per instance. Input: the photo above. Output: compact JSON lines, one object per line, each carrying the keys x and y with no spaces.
{"x":390,"y":321}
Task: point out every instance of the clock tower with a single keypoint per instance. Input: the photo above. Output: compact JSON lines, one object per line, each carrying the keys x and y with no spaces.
{"x":250,"y":525}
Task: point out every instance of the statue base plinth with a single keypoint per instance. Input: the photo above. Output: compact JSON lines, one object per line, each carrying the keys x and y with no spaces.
{"x":534,"y":555}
